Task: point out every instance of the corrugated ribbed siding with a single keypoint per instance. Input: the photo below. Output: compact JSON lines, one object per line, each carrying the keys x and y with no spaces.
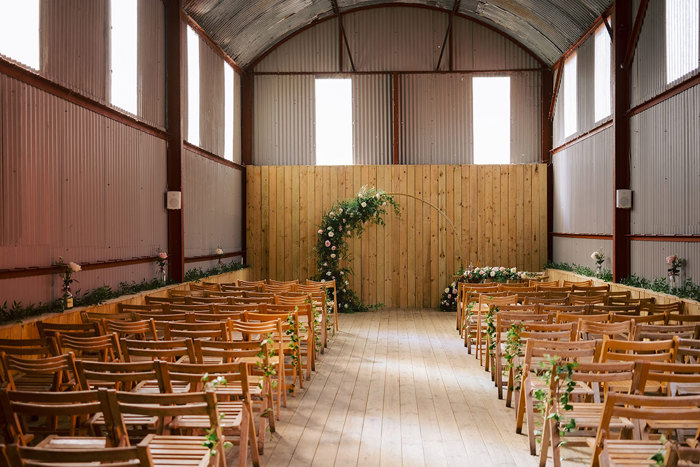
{"x":583,"y":186}
{"x":315,"y":49}
{"x":649,"y":258}
{"x":372,"y":119}
{"x":212,"y":206}
{"x":284,"y":132}
{"x":211,"y":100}
{"x":578,"y":251}
{"x":526,"y":118}
{"x":665,"y":166}
{"x":151,"y":63}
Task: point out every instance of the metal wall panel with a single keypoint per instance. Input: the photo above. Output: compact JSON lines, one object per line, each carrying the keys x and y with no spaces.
{"x":74,"y":184}
{"x":372,"y":119}
{"x":525,"y":117}
{"x":582,"y":201}
{"x":649,"y":258}
{"x":212,"y":206}
{"x":237,"y":118}
{"x":578,"y":251}
{"x":284,"y":132}
{"x":436,"y":119}
{"x":665,"y":166}
{"x":211,"y":100}
{"x":479,"y":48}
{"x":74,"y":49}
{"x":649,"y":64}
{"x":395,"y":39}
{"x":315,"y":49}
{"x":151,"y":62}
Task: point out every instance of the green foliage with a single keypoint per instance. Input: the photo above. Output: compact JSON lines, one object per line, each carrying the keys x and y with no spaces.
{"x":195,"y":274}
{"x":687,"y":290}
{"x":491,"y":329}
{"x":268,"y":370}
{"x":660,"y":456}
{"x":556,"y":399}
{"x":513,"y":351}
{"x":448,"y":301}
{"x":211,"y":438}
{"x":345,"y":218}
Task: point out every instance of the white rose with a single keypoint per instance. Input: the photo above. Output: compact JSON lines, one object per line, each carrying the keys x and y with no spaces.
{"x":330,"y":228}
{"x":74,"y":267}
{"x":219,"y":251}
{"x":513,"y":269}
{"x":346,"y":282}
{"x":346,"y":305}
{"x":493,"y":273}
{"x":447,"y":290}
{"x":364,"y":205}
{"x":594,"y":255}
{"x":340,"y":210}
{"x":328,"y":273}
{"x":332,"y":255}
{"x":330,"y":234}
{"x":325,"y":264}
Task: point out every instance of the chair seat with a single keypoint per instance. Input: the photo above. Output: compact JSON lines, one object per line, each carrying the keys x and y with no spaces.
{"x":232,"y":413}
{"x":129,"y":420}
{"x":185,"y":451}
{"x":629,"y":452}
{"x":72,"y":442}
{"x":587,"y":416}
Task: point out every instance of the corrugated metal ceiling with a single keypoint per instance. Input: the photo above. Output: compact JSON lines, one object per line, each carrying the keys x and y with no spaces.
{"x":245,"y":29}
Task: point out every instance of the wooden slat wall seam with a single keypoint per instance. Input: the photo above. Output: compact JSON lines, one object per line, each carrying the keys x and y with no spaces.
{"x":499,"y":212}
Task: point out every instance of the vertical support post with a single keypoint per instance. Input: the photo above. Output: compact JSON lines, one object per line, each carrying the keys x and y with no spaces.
{"x":546,"y":99}
{"x":247,"y":96}
{"x":395,"y":116}
{"x":622,"y":30}
{"x":174,"y":90}
{"x":340,"y":43}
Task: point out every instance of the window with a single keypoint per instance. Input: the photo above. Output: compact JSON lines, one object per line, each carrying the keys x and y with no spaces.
{"x":192,"y":87}
{"x":228,"y":111}
{"x":491,"y":120}
{"x":570,"y":95}
{"x":19,"y":31}
{"x":333,"y":122}
{"x":123,"y":54}
{"x":682,"y":34}
{"x":601,"y":84}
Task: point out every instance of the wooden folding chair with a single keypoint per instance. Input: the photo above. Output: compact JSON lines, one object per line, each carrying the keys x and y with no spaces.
{"x":575,"y":317}
{"x":655,"y":332}
{"x":140,"y":329}
{"x":587,"y":283}
{"x":591,"y":330}
{"x":308,"y":338}
{"x":486,"y":304}
{"x":257,"y":284}
{"x":40,"y":374}
{"x":102,"y":348}
{"x":75,"y":329}
{"x":42,"y":347}
{"x":20,"y":456}
{"x":170,"y":350}
{"x":215,"y":330}
{"x":688,"y":350}
{"x":543,"y":284}
{"x":122,"y":376}
{"x":597,"y":299}
{"x":468,"y":301}
{"x":330,"y":288}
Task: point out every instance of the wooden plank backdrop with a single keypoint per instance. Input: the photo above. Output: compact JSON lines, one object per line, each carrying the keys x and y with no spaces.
{"x":500,"y":213}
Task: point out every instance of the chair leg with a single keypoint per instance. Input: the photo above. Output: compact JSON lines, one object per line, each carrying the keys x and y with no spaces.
{"x":530,"y":414}
{"x":520,"y":409}
{"x":252,"y":441}
{"x":547,"y":431}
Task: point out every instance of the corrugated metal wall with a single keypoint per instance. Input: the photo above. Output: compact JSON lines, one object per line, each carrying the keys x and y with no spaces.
{"x":151,"y":63}
{"x":435,"y":109}
{"x":649,"y":258}
{"x":212,"y":206}
{"x":75,"y":184}
{"x":211,"y":100}
{"x":578,"y":251}
{"x":583,"y":186}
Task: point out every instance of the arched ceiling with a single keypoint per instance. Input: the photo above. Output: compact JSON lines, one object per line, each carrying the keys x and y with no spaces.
{"x":245,"y":29}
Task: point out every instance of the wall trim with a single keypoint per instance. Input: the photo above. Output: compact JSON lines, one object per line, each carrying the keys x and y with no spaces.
{"x":31,"y":78}
{"x":665,"y":238}
{"x":195,"y":259}
{"x":579,"y":138}
{"x":667,"y":94}
{"x":210,"y":42}
{"x":253,"y":63}
{"x":389,"y":72}
{"x":211,"y":156}
{"x":589,"y":236}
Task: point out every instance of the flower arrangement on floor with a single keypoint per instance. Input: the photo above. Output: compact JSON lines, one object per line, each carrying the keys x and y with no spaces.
{"x":345,"y":218}
{"x":674,"y":269}
{"x":162,"y":259}
{"x":68,"y":269}
{"x":448,"y":302}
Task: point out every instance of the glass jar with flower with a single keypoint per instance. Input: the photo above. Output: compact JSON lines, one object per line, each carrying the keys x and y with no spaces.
{"x":67,"y":271}
{"x":674,"y":264}
{"x":599,"y":259}
{"x":161,"y":259}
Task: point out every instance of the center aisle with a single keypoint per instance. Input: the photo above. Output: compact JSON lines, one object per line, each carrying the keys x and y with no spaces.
{"x":397,"y":387}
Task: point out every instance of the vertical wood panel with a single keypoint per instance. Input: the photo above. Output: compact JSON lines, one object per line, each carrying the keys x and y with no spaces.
{"x":499,"y":213}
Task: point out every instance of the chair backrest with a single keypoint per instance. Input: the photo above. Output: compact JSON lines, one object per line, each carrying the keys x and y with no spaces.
{"x":256,"y":284}
{"x":537,"y":350}
{"x":673,"y":307}
{"x":675,"y":318}
{"x":188,"y":308}
{"x":143,"y":329}
{"x":558,"y":289}
{"x":600,"y":299}
{"x":599,"y":376}
{"x":653,"y":351}
{"x":130,"y":456}
{"x":587,"y":283}
{"x":251,"y":300}
{"x":139,"y":350}
{"x":123,"y":376}
{"x":618,"y":309}
{"x":617,"y":300}
{"x":668,"y":376}
{"x":237,"y":288}
{"x":688,"y":350}
{"x":655,"y":332}
{"x":618,"y":317}
{"x":61,"y":368}
{"x":488,"y":300}
{"x":564,"y":309}
{"x":227,"y":352}
{"x":591,"y":289}
{"x":90,"y":316}
{"x":161,"y":317}
{"x":42,"y":347}
{"x":543,"y":284}
{"x":74,"y":329}
{"x":19,"y":406}
{"x":279,"y":288}
{"x":225,"y":294}
{"x":217,"y":330}
{"x":546,"y":331}
{"x":163,"y":300}
{"x":207,"y":301}
{"x":587,"y":330}
{"x":237,"y":307}
{"x":163,"y":406}
{"x":128,"y":308}
{"x":575,"y":317}
{"x":106,"y":347}
{"x":211,"y":286}
{"x":543,"y":301}
{"x":197,"y":375}
{"x":310,"y":288}
{"x":292,"y":300}
{"x":516,"y":288}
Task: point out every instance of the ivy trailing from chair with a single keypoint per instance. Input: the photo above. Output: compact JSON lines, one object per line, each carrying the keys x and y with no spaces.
{"x":553,"y":401}
{"x":345,"y":218}
{"x":512,"y":352}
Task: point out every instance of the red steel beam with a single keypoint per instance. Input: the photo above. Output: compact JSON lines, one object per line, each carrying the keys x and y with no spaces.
{"x":632,"y":46}
{"x":210,"y":42}
{"x":588,"y":134}
{"x":557,"y":84}
{"x":622,"y":33}
{"x":211,"y":156}
{"x":669,"y":93}
{"x":546,"y":123}
{"x":173,"y":86}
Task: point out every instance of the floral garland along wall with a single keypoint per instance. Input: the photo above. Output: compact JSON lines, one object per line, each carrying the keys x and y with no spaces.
{"x":345,"y":218}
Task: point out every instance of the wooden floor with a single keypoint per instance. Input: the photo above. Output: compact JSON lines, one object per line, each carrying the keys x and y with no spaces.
{"x":397,"y":387}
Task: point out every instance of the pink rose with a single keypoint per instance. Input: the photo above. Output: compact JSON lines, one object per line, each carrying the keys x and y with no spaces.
{"x":332,"y":248}
{"x":328,"y":243}
{"x":320,"y":231}
{"x":163,"y":255}
{"x":671,"y":259}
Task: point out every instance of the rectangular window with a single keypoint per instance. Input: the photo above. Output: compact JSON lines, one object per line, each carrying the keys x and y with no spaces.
{"x":192,"y":86}
{"x":682,"y":32}
{"x":334,"y":122}
{"x":228,"y":111}
{"x":570,"y":95}
{"x":601,"y":68}
{"x":19,"y":31}
{"x":491,"y":101}
{"x":123,"y":54}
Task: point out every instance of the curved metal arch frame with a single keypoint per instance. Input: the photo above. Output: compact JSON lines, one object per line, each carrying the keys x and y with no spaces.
{"x":266,"y":52}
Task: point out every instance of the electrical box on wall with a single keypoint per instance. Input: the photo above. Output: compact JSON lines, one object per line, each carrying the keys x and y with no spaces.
{"x":623,"y":199}
{"x":173,"y":200}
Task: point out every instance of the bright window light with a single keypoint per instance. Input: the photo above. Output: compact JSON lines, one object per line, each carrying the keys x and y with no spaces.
{"x":192,"y":86}
{"x":570,"y":97}
{"x":491,"y":120}
{"x":123,"y":54}
{"x":19,"y":31}
{"x":682,"y":31}
{"x":228,"y":111}
{"x":333,"y":122}
{"x":601,"y":68}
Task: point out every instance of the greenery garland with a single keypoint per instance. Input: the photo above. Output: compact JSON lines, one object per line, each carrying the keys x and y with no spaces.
{"x":345,"y":218}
